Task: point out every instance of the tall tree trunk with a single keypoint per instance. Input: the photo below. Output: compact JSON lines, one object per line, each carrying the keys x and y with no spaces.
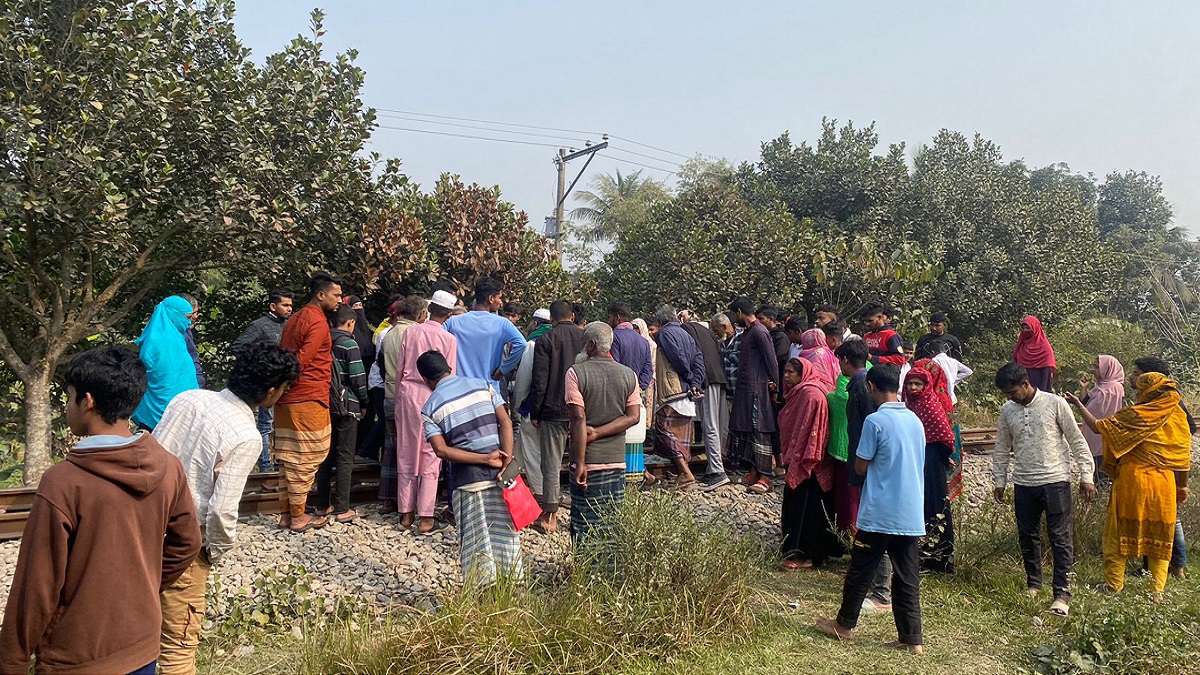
{"x":39,"y":424}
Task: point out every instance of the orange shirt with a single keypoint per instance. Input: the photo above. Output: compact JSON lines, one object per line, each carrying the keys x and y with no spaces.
{"x":307,"y":335}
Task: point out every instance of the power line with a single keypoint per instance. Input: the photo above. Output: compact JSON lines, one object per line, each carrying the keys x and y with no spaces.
{"x":629,"y":161}
{"x":579,"y":141}
{"x":503,"y":124}
{"x":647,"y":145}
{"x":478,"y":138}
{"x":639,"y":154}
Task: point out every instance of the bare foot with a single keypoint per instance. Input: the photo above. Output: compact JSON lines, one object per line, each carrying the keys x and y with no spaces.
{"x":426,"y":524}
{"x":833,"y":629}
{"x":407,"y":519}
{"x":388,"y":506}
{"x":285,"y":520}
{"x":911,"y":649}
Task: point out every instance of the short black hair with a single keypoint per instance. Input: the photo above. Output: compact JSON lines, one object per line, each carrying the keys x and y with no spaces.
{"x":836,"y":328}
{"x":854,"y":351}
{"x":768,"y":311}
{"x":343,"y":314}
{"x":115,"y":378}
{"x":1010,"y":375}
{"x":410,"y":306}
{"x":621,"y":310}
{"x":828,"y":309}
{"x":511,"y":308}
{"x":1153,"y":364}
{"x":873,"y":308}
{"x":561,"y":310}
{"x":276,"y":296}
{"x":885,"y":377}
{"x":741,"y":304}
{"x":260,"y":367}
{"x":794,"y":324}
{"x":321,"y":281}
{"x":577,"y":312}
{"x":939,"y":346}
{"x":432,"y":365}
{"x":486,"y":287}
{"x":937,"y":317}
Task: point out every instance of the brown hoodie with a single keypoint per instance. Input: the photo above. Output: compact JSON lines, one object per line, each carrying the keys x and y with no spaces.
{"x":109,"y":527}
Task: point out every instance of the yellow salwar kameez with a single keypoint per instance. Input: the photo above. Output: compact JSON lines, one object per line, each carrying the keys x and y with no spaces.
{"x":1144,"y":445}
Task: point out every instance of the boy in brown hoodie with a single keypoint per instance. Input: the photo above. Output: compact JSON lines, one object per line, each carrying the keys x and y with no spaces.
{"x":109,"y":526}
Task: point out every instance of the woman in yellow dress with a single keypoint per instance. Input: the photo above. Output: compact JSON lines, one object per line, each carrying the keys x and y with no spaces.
{"x":1147,"y":452}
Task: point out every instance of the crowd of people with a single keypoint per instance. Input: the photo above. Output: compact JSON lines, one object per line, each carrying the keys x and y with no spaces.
{"x":455,"y":404}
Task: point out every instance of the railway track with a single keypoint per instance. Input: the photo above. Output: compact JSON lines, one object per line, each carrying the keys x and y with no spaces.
{"x":265,"y":494}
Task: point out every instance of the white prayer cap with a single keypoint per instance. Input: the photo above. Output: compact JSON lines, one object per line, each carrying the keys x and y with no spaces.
{"x":444,"y":300}
{"x":543,"y":314}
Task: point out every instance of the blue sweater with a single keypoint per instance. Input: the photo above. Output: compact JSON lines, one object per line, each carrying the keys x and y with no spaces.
{"x":683,"y":354}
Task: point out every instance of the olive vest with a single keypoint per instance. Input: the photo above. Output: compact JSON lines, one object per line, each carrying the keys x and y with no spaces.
{"x":606,"y":386}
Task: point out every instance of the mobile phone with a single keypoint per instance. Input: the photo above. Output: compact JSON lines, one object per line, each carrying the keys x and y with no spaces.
{"x":510,"y":472}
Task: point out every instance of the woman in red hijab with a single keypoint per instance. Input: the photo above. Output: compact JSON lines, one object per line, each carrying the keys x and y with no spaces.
{"x":808,"y":493}
{"x":937,"y":549}
{"x":1035,"y":355}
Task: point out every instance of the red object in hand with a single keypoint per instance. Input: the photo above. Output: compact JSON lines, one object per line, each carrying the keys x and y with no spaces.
{"x":523,"y":508}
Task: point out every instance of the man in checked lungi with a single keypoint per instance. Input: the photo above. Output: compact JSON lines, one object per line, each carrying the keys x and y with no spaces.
{"x":604,"y":400}
{"x":468,"y":425}
{"x":302,"y":423}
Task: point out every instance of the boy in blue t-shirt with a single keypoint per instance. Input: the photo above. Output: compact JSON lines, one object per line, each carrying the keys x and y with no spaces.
{"x":891,"y":513}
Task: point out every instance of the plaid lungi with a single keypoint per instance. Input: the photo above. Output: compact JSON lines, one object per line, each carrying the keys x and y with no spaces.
{"x":635,"y":462}
{"x":488,"y":544}
{"x":590,"y":505}
{"x":672,"y":434}
{"x":389,"y":476}
{"x":302,"y":435}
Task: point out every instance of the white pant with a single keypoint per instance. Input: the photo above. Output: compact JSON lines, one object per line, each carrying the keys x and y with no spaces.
{"x":714,"y":419}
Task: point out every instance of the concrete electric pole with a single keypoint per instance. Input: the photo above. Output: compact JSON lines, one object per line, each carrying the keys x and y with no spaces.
{"x":554,"y":226}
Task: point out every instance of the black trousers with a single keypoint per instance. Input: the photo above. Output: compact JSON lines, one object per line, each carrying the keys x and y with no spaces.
{"x":1053,"y":500}
{"x":341,"y":455}
{"x":371,"y":442}
{"x":866,"y":553}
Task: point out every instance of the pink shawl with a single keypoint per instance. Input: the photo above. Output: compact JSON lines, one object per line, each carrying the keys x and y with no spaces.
{"x":1105,"y":399}
{"x":804,"y":432}
{"x":1033,"y":348}
{"x":815,"y":350}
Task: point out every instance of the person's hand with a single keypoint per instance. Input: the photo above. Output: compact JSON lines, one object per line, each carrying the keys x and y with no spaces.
{"x":1181,"y":494}
{"x":497,"y":375}
{"x":496,"y":459}
{"x":1088,"y":491}
{"x":533,"y":422}
{"x":771,"y":386}
{"x":1072,"y":399}
{"x":1085,"y":383}
{"x":998,"y":494}
{"x":579,"y":472}
{"x":592,"y":435}
{"x":695,"y":394}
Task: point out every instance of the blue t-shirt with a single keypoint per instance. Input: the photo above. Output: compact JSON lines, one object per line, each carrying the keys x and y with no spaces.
{"x":483,"y":339}
{"x":893,"y":496}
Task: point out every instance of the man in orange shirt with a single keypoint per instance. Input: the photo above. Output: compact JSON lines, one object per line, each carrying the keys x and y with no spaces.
{"x":302,"y":423}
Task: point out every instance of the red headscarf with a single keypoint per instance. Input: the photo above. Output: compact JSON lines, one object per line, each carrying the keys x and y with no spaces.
{"x":1033,"y":349}
{"x":804,"y":430}
{"x":928,"y":408}
{"x":937,"y":381}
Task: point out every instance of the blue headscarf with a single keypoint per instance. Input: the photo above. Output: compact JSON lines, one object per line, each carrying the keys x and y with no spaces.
{"x":169,"y":367}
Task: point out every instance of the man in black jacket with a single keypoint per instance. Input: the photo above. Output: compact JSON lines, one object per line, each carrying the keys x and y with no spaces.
{"x":267,"y":328}
{"x":714,"y":407}
{"x":553,"y":353}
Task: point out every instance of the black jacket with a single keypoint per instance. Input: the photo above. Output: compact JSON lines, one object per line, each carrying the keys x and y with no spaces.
{"x":553,"y":353}
{"x":710,"y":349}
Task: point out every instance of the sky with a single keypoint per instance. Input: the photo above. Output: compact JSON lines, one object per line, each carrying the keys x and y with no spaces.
{"x":1101,"y":86}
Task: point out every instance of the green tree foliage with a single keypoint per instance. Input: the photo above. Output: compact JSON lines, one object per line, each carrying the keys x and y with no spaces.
{"x":140,"y":146}
{"x":615,"y":203}
{"x":705,"y":246}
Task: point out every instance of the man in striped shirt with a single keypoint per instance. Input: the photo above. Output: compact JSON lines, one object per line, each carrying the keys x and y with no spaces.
{"x":467,"y":425}
{"x":215,"y":436}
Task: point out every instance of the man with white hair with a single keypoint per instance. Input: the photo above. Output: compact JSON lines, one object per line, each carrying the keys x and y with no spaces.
{"x":605,"y":400}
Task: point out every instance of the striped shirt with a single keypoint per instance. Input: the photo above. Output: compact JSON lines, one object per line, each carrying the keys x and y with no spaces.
{"x":215,"y":436}
{"x":462,"y":410}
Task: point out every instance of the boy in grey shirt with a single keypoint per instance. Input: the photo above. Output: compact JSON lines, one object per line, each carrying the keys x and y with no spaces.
{"x":1038,"y":436}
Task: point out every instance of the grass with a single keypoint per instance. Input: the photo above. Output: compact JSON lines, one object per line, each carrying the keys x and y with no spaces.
{"x":722,"y":607}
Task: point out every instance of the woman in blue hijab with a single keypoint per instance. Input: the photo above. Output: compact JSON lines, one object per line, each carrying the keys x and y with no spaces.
{"x":169,"y":367}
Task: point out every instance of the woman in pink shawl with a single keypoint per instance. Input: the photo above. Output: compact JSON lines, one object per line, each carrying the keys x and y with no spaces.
{"x":815,"y":349}
{"x":808,"y":538}
{"x":1103,"y":399}
{"x":1035,"y":355}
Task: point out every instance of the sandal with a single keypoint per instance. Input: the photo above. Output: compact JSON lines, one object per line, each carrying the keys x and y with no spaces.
{"x":312,"y":524}
{"x":761,"y":487}
{"x":792,"y":566}
{"x":436,"y":529}
{"x":346,"y":516}
{"x":1059,"y":608}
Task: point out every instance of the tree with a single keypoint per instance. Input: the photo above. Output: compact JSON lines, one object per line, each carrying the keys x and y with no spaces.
{"x":615,"y":203}
{"x":141,"y":145}
{"x":704,"y":247}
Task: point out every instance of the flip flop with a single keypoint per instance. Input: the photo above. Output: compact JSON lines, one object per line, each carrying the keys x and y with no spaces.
{"x":1059,"y":608}
{"x":312,"y":524}
{"x":761,"y":487}
{"x":346,"y":516}
{"x":436,"y":529}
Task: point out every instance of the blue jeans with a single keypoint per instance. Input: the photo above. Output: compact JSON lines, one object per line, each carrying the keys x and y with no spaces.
{"x":1179,"y":550}
{"x":148,"y":669}
{"x":266,"y":424}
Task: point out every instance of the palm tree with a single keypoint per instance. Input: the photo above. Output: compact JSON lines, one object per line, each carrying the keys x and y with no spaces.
{"x":614,"y":203}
